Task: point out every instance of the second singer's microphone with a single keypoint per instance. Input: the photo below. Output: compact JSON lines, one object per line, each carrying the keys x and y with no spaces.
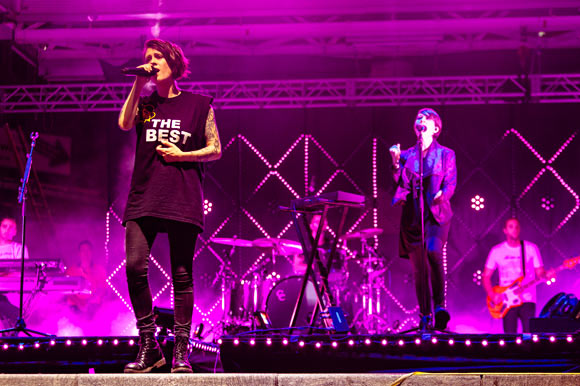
{"x":138,"y":71}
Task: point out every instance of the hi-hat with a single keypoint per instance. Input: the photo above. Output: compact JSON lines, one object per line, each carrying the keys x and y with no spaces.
{"x":363,"y":234}
{"x":233,"y":241}
{"x":281,"y":247}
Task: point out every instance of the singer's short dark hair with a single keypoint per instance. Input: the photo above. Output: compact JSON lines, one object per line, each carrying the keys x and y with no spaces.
{"x":432,"y":114}
{"x":173,"y":54}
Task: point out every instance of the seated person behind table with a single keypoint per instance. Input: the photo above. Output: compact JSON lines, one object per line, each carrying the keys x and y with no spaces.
{"x":10,"y":249}
{"x":95,"y":276}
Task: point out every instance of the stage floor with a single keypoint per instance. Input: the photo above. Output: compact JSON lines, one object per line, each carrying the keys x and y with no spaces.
{"x":474,"y":379}
{"x":316,"y":354}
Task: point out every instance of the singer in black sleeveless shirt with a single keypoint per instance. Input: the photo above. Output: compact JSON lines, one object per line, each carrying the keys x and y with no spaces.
{"x":176,"y":134}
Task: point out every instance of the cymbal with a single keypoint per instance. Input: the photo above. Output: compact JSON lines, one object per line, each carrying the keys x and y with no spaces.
{"x":281,"y":247}
{"x":363,"y":234}
{"x":233,"y":241}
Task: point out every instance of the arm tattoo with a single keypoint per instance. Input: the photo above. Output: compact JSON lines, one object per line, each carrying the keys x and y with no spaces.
{"x":211,"y":133}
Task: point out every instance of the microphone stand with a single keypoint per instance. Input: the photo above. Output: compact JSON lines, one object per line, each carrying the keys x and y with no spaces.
{"x":419,"y":147}
{"x":421,"y":198}
{"x":20,"y":324}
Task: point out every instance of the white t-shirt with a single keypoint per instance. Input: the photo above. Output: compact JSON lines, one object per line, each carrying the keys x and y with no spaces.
{"x":508,"y":260}
{"x":12,"y":251}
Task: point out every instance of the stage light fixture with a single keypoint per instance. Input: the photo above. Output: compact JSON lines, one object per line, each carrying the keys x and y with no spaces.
{"x":477,"y":203}
{"x":477,"y":277}
{"x":207,"y":207}
{"x":198,"y":331}
{"x":547,"y":203}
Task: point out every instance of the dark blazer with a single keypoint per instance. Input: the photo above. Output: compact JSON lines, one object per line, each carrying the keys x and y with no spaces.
{"x":440,"y":173}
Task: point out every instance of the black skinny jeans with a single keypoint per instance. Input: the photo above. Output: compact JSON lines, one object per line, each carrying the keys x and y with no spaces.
{"x":428,"y":268}
{"x":139,"y":237}
{"x":524,"y":313}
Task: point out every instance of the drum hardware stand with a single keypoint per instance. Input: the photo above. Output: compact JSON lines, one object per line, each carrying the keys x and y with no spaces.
{"x":370,"y":318}
{"x":20,"y":324}
{"x":226,"y":286}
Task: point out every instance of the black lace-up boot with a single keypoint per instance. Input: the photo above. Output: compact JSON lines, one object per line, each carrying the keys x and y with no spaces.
{"x":149,"y":357}
{"x":441,"y":318}
{"x":180,"y":362}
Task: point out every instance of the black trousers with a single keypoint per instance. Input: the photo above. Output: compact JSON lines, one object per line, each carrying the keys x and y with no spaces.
{"x":427,"y":264}
{"x":139,"y":237}
{"x":524,"y":313}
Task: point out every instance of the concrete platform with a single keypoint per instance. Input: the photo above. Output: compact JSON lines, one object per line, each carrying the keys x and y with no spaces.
{"x":412,"y":379}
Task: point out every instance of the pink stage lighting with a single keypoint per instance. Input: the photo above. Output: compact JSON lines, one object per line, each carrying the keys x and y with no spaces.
{"x":477,"y":276}
{"x":207,"y":207}
{"x":547,"y":203}
{"x":477,"y":202}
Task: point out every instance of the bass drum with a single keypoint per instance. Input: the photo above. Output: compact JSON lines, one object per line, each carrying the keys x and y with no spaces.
{"x":282,"y":300}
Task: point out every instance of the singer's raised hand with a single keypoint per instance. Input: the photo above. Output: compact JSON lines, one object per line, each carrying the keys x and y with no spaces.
{"x":395,"y":151}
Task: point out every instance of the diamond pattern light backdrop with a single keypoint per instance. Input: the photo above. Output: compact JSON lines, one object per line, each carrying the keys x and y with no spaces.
{"x":512,"y":160}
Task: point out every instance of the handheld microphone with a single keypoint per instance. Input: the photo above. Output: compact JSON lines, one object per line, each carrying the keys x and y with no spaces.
{"x":138,"y":71}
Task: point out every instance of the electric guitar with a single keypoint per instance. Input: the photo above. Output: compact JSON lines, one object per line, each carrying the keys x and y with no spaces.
{"x":511,"y":294}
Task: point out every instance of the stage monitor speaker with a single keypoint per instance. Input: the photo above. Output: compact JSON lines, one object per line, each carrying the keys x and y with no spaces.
{"x":556,"y":324}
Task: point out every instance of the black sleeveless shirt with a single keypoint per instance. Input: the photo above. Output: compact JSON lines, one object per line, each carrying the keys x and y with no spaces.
{"x":168,"y":190}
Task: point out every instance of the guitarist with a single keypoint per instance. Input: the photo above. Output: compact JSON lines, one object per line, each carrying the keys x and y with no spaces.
{"x":507,"y":258}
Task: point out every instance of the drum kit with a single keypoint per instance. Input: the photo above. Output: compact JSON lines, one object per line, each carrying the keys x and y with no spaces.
{"x":355,"y":280}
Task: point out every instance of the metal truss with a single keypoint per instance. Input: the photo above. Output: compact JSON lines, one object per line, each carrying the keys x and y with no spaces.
{"x":316,"y":93}
{"x":324,"y":27}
